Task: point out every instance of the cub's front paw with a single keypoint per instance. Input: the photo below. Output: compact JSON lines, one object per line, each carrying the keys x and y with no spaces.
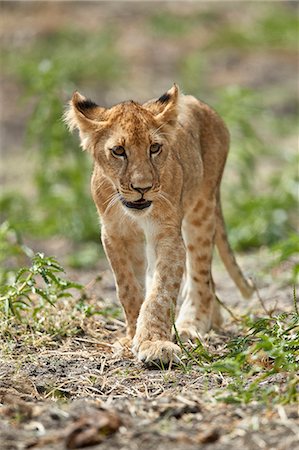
{"x":156,"y":352}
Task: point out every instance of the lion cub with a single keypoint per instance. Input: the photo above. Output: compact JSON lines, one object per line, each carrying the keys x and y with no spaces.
{"x":156,"y":182}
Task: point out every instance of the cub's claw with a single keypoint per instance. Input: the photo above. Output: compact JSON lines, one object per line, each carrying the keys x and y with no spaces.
{"x":156,"y":353}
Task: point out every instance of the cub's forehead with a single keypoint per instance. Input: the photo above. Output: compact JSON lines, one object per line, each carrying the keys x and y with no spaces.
{"x":132,"y":122}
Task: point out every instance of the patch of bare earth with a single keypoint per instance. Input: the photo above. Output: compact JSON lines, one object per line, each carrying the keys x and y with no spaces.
{"x":86,"y":390}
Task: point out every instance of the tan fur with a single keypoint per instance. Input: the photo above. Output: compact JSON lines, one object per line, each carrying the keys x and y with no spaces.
{"x":152,"y":250}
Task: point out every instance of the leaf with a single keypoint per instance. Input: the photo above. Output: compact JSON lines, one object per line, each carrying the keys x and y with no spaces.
{"x":21,"y":272}
{"x":45,"y":296}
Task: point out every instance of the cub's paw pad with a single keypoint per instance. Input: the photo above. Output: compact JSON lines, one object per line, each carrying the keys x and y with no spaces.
{"x":157,"y":353}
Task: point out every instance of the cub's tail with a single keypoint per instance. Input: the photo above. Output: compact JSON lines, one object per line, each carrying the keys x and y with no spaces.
{"x":227,"y":256}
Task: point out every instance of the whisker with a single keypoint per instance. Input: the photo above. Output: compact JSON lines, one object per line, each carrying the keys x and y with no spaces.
{"x":110,"y":197}
{"x":165,"y":134}
{"x":167,"y":196}
{"x":100,"y":185}
{"x":161,"y":134}
{"x":168,"y":202}
{"x":157,"y":130}
{"x":115,"y":198}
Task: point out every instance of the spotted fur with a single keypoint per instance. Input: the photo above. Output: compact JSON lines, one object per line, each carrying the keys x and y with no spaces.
{"x":166,"y":243}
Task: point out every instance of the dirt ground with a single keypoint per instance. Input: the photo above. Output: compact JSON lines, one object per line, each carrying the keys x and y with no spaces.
{"x":87,"y":391}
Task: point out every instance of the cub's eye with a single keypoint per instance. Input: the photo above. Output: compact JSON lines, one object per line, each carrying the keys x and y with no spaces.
{"x":119,"y":151}
{"x":155,"y":148}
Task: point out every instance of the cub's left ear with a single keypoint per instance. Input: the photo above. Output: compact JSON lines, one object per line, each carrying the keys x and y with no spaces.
{"x":167,"y":106}
{"x":86,"y":116}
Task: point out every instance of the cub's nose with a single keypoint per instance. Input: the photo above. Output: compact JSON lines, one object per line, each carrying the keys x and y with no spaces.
{"x":141,"y":190}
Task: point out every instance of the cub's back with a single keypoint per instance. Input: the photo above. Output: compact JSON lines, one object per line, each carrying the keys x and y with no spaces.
{"x":203,"y":141}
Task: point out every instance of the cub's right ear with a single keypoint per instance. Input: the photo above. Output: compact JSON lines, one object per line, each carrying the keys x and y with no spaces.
{"x":86,"y":116}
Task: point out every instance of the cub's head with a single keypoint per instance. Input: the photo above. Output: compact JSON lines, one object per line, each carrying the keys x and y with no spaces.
{"x":130,"y":142}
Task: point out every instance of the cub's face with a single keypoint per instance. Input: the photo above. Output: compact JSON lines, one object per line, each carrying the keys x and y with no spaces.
{"x":130,"y":143}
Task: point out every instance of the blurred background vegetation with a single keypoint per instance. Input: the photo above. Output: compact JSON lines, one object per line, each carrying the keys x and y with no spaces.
{"x":239,"y":57}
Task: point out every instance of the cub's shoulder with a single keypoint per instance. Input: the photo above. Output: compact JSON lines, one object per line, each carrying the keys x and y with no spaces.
{"x":191,"y":104}
{"x":193,"y":108}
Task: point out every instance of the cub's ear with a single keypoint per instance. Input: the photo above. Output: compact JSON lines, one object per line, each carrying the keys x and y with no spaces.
{"x":167,"y":106}
{"x":86,"y":116}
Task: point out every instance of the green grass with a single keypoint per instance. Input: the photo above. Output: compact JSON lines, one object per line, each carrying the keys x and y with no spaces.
{"x":260,"y":206}
{"x":40,"y":307}
{"x":259,"y":365}
{"x":276,"y":29}
{"x":170,"y":25}
{"x":29,"y":288}
{"x":288,"y":250}
{"x":49,"y":71}
{"x":38,"y":304}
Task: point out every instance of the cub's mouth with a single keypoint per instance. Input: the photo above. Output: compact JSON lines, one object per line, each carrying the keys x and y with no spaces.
{"x":138,"y":204}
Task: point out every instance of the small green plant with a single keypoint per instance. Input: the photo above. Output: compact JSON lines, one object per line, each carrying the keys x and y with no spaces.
{"x":13,"y":252}
{"x":261,"y":364}
{"x":35,"y":285}
{"x":28,"y":287}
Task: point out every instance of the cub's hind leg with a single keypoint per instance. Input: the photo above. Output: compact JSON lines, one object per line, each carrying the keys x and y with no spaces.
{"x":200,"y":310}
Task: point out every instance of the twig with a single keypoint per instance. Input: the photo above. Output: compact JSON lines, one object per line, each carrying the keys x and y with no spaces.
{"x":89,"y":341}
{"x":268,"y":312}
{"x":295,"y":300}
{"x":117,"y":322}
{"x":237,"y":319}
{"x":178,"y":338}
{"x":92,"y":282}
{"x":57,"y":388}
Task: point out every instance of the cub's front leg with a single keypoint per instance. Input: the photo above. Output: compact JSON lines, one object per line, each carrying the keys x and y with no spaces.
{"x":152,"y":341}
{"x":126,"y":254}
